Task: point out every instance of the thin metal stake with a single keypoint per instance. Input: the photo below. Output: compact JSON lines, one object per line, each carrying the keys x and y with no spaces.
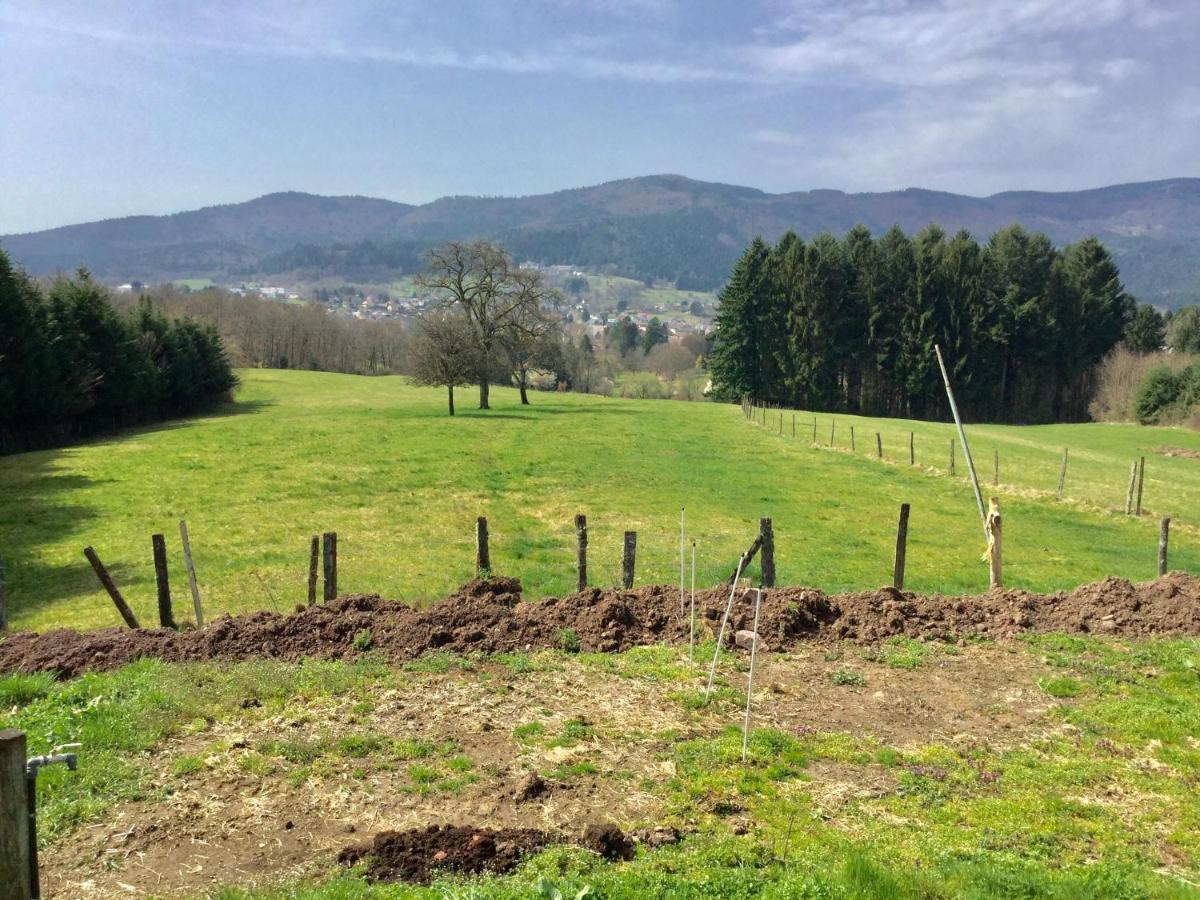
{"x":692,"y":632}
{"x":712,"y":671}
{"x":750,"y":680}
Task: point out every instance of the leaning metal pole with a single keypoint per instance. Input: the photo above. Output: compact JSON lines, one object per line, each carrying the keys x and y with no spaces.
{"x":962,"y":437}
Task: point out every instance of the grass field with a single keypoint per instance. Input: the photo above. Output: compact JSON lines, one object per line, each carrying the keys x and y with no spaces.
{"x":379,"y":462}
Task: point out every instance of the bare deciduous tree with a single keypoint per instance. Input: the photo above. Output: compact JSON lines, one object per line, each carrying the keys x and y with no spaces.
{"x":444,"y":352}
{"x":481,"y":279}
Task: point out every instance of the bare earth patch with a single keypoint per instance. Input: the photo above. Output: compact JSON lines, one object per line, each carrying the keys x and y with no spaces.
{"x":277,"y":794}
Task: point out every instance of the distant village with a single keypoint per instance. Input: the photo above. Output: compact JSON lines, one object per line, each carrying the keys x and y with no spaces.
{"x":378,"y":304}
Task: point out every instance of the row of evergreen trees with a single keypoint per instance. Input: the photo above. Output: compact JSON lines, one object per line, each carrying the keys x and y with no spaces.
{"x":71,"y":365}
{"x":850,"y":325}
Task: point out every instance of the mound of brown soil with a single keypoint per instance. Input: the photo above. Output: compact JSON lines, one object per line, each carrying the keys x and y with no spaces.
{"x":489,"y":616}
{"x":414,"y":856}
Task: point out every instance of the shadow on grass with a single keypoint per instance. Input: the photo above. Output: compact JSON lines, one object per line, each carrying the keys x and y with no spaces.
{"x":39,"y":503}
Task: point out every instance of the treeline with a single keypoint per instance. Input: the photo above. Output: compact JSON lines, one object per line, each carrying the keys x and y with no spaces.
{"x":262,"y":333}
{"x":851,"y":324}
{"x":71,"y":365}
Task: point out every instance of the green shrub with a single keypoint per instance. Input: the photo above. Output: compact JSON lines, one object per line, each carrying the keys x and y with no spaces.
{"x":1165,"y":396}
{"x":568,"y":640}
{"x":363,"y":640}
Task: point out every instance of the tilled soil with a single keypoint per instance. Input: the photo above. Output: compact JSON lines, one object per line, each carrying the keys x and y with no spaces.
{"x":490,"y":616}
{"x":414,"y":856}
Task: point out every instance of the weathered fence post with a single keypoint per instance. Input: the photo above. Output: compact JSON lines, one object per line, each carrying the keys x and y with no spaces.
{"x":329,"y":565}
{"x":1141,"y":484}
{"x":767,"y":533}
{"x":814,"y":429}
{"x":3,"y":598}
{"x":314,"y":552}
{"x":628,"y":559}
{"x":901,"y":548}
{"x":1132,"y":485}
{"x":581,"y":552}
{"x":1062,"y":475}
{"x":1163,"y":533}
{"x":832,"y":429}
{"x":483,"y":557}
{"x":107,"y":582}
{"x":995,"y":468}
{"x":992,"y":527}
{"x":793,"y":425}
{"x":166,"y":619}
{"x":912,"y":450}
{"x":14,"y":818}
{"x":952,"y":457}
{"x":878,"y":445}
{"x":781,"y":423}
{"x":852,"y":448}
{"x":191,"y":572}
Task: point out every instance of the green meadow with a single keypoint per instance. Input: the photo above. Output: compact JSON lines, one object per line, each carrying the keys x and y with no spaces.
{"x":380,"y":463}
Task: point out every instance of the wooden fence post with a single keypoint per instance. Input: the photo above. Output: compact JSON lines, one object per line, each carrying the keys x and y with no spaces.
{"x":912,"y":450}
{"x":628,"y":559}
{"x":878,"y":445}
{"x":995,"y":468}
{"x":166,"y":619}
{"x":793,"y":425}
{"x":832,"y":429}
{"x":1062,"y":475}
{"x":1132,"y":485}
{"x":781,"y":423}
{"x":1141,"y":484}
{"x":191,"y":572}
{"x":852,"y":439}
{"x":483,"y":557}
{"x":314,"y":553}
{"x":107,"y":582}
{"x":1163,"y":533}
{"x":952,"y":457}
{"x":3,"y":598}
{"x":14,"y":818}
{"x":329,"y":565}
{"x":901,"y":548}
{"x":814,"y":429}
{"x":767,"y":533}
{"x":992,"y":527}
{"x":581,"y":541}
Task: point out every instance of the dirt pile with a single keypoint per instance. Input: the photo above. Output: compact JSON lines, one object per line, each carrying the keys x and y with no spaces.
{"x":490,"y":616}
{"x":414,"y":856}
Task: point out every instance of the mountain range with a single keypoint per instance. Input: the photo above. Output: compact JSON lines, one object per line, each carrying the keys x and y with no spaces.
{"x":657,"y":227}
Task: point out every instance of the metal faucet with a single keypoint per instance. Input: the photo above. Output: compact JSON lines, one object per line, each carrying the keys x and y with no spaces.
{"x":32,"y":767}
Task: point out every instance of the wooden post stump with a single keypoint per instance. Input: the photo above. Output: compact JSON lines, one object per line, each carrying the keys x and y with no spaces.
{"x":581,"y":542}
{"x":628,"y":559}
{"x":191,"y":573}
{"x":952,"y":457}
{"x":314,"y":554}
{"x":1164,"y":532}
{"x":14,"y":818}
{"x":1141,"y":484}
{"x":166,"y":618}
{"x":992,"y":527}
{"x":1132,"y":486}
{"x":111,"y":588}
{"x":767,"y":533}
{"x":483,"y":556}
{"x":852,"y":439}
{"x":901,"y":548}
{"x":329,"y":565}
{"x":878,"y":445}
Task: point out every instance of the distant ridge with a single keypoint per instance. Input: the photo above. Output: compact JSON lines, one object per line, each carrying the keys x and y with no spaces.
{"x":659,"y":226}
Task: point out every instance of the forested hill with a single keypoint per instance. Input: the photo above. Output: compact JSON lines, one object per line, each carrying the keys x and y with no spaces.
{"x":661,"y":226}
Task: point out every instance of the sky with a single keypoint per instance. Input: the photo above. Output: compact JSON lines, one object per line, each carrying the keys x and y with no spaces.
{"x":116,"y":108}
